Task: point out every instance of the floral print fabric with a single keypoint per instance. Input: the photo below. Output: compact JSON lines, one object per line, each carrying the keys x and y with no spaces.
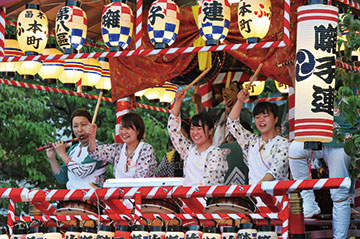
{"x":278,"y":160}
{"x":216,"y":166}
{"x":145,"y":164}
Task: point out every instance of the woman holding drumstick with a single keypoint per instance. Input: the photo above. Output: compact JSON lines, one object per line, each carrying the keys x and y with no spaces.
{"x":204,"y":163}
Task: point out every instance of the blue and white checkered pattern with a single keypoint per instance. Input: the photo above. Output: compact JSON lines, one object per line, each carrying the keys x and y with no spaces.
{"x":214,"y":29}
{"x":118,"y":36}
{"x":164,"y":30}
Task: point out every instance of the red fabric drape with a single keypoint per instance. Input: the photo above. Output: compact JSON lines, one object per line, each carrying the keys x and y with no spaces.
{"x":131,"y":74}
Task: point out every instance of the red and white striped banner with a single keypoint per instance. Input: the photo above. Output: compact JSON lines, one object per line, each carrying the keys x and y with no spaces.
{"x":238,"y":76}
{"x":138,"y":34}
{"x":291,"y":104}
{"x":2,"y":31}
{"x":351,"y":3}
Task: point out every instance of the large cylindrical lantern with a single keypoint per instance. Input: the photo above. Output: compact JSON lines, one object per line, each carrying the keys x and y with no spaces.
{"x":214,"y":20}
{"x":315,"y":73}
{"x":51,"y":70}
{"x":117,"y":25}
{"x":163,"y":23}
{"x":169,"y":93}
{"x":73,"y":72}
{"x":11,"y":49}
{"x":105,"y":82}
{"x":92,"y":73}
{"x":71,"y":26}
{"x":32,"y":33}
{"x":254,"y":19}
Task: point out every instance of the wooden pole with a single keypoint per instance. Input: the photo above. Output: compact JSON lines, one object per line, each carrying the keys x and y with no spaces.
{"x":97,"y":107}
{"x":198,"y":78}
{"x":253,"y":77}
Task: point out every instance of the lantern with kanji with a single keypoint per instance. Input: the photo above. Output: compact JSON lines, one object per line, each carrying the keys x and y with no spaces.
{"x":315,"y":74}
{"x":254,"y":19}
{"x":11,"y":49}
{"x":71,"y":26}
{"x":214,"y":20}
{"x":281,"y":87}
{"x":256,"y":87}
{"x":32,"y":33}
{"x":92,"y":73}
{"x":117,"y":25}
{"x":163,"y":23}
{"x":51,"y":70}
{"x":105,"y":82}
{"x":169,"y":92}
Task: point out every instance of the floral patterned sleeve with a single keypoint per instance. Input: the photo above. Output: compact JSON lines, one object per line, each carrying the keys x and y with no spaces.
{"x":216,"y":167}
{"x":279,"y":167}
{"x":146,"y":162}
{"x":180,"y":142}
{"x":244,"y":137}
{"x":106,"y":152}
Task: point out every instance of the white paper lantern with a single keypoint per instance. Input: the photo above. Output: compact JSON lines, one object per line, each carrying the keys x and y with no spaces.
{"x":315,"y":72}
{"x":254,"y":19}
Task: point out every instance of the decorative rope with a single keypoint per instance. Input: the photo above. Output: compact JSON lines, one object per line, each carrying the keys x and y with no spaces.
{"x":2,"y":31}
{"x":138,"y":35}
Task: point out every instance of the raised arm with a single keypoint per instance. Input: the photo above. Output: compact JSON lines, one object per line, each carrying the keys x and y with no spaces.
{"x":241,"y":97}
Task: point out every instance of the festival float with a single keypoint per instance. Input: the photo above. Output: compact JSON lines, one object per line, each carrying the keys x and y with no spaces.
{"x":145,"y":46}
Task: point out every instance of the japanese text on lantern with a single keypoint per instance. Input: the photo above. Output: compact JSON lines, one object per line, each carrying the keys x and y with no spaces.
{"x":32,"y":30}
{"x":213,"y":11}
{"x":155,"y":12}
{"x":323,"y":97}
{"x":62,"y":29}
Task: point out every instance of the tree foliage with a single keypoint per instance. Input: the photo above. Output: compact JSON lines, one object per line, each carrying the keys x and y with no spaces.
{"x":349,"y":100}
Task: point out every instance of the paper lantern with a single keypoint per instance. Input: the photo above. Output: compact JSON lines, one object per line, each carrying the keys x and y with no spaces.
{"x":169,"y":93}
{"x":11,"y":49}
{"x":117,"y":25}
{"x":214,"y":20}
{"x":163,"y":23}
{"x":256,"y":88}
{"x":32,"y":29}
{"x":32,"y":33}
{"x":282,"y":88}
{"x":52,"y":70}
{"x":73,"y":72}
{"x":140,"y":93}
{"x":105,"y":82}
{"x":315,"y":73}
{"x":153,"y":93}
{"x":71,"y":26}
{"x":92,"y":72}
{"x":254,"y":19}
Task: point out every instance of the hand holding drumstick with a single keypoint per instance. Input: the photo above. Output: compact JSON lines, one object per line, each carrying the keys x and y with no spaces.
{"x":242,"y":96}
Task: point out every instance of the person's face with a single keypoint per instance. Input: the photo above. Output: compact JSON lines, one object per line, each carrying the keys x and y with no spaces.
{"x":230,"y":95}
{"x":80,"y":125}
{"x":199,"y":135}
{"x":128,"y":135}
{"x":265,"y":122}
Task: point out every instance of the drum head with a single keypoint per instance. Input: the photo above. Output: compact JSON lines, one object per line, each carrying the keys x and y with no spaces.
{"x":226,"y":208}
{"x":155,"y":209}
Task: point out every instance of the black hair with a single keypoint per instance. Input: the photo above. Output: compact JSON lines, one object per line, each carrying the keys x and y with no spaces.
{"x":266,"y":108}
{"x":131,"y":120}
{"x":80,"y":112}
{"x":185,"y":124}
{"x":204,"y":118}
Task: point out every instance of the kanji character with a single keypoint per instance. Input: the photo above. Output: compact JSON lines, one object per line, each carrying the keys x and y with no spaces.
{"x":213,"y":11}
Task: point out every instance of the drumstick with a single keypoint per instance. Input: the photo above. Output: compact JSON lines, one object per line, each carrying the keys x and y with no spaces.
{"x":254,"y":76}
{"x":198,"y":78}
{"x":97,"y":107}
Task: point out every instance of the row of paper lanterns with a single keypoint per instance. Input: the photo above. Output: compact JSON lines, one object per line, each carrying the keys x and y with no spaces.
{"x":92,"y":72}
{"x":163,"y":93}
{"x":166,"y":93}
